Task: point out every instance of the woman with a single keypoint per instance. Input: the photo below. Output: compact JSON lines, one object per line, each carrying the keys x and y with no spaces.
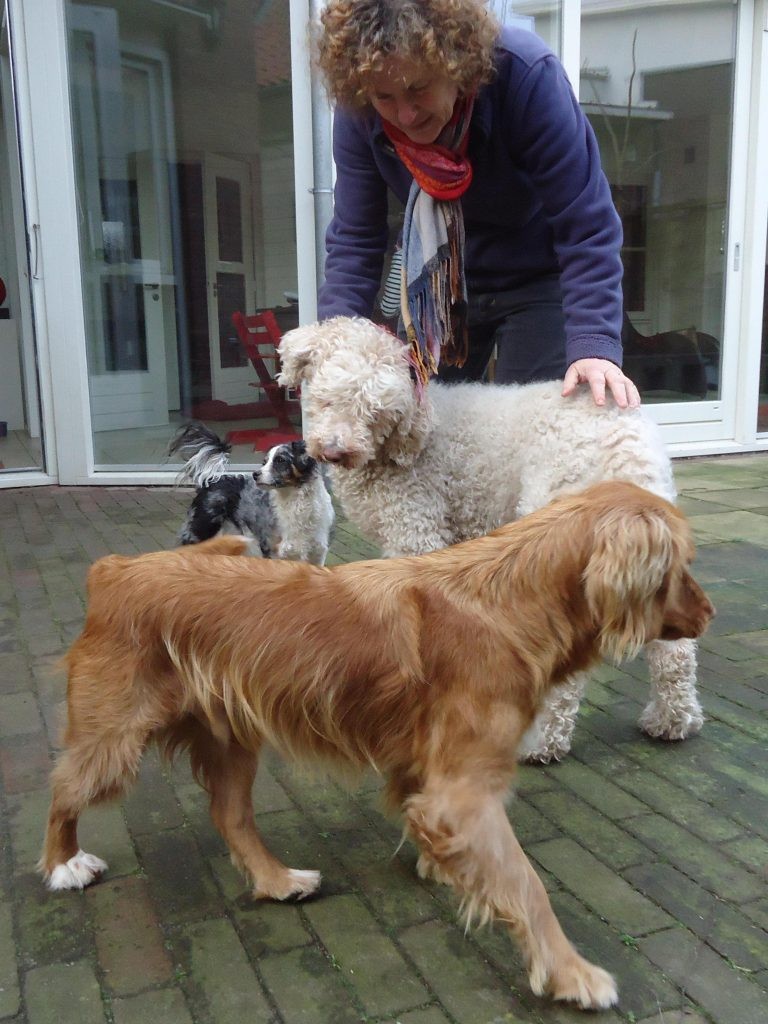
{"x":510,"y":236}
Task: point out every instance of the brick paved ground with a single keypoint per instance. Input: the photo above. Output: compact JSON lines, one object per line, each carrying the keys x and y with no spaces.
{"x":655,"y":854}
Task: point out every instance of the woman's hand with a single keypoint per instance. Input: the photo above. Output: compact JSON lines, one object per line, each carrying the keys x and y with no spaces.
{"x":598,"y":373}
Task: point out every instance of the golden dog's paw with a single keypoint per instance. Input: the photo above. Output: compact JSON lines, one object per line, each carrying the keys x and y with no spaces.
{"x":78,"y":872}
{"x":583,"y":983}
{"x":291,"y":884}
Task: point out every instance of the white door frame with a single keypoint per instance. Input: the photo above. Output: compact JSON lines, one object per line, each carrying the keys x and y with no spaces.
{"x":755,"y":239}
{"x":51,"y":224}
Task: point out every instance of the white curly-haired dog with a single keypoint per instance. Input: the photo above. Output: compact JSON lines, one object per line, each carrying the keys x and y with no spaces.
{"x":418,"y":475}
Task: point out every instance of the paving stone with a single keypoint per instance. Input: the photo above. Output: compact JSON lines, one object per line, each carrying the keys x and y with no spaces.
{"x":15,"y":676}
{"x":675,"y":1017}
{"x":63,"y":994}
{"x":51,"y":927}
{"x":264,"y":926}
{"x":679,"y":804}
{"x":530,"y":825}
{"x":179,"y":881}
{"x":592,"y":830}
{"x":27,"y":813}
{"x":19,"y":715}
{"x":220,"y":975}
{"x":323,"y":800}
{"x":166,"y":1006}
{"x":751,"y":851}
{"x":697,"y":859}
{"x":431,"y":1015}
{"x":463,"y":982}
{"x":757,"y":912}
{"x":103,"y":831}
{"x":10,"y":993}
{"x":195,"y":806}
{"x":308,"y":989}
{"x":608,"y":798}
{"x":721,"y":926}
{"x":740,"y":718}
{"x":597,"y":886}
{"x":129,"y":943}
{"x":393,"y":889}
{"x":151,"y":804}
{"x":25,"y":762}
{"x":368,"y":960}
{"x":732,"y":526}
{"x":723,"y":992}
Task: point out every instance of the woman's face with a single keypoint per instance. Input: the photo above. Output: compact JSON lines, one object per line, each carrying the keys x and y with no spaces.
{"x":413,"y":97}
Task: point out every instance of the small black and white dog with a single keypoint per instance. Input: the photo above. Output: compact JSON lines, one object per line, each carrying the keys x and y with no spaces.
{"x":284,"y":505}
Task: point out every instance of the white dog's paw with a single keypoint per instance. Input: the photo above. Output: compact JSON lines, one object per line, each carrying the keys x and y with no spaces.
{"x":78,"y":872}
{"x":543,"y":745}
{"x":666,"y":723}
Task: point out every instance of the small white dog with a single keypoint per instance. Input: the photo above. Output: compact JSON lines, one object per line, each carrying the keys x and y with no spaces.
{"x":416,"y":476}
{"x":301,"y":501}
{"x":283,"y":507}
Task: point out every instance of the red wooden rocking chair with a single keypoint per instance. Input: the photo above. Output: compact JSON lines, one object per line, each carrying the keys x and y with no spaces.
{"x":259,"y":335}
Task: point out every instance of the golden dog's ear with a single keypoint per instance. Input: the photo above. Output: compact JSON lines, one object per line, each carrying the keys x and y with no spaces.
{"x":226,"y":544}
{"x":631,"y":554}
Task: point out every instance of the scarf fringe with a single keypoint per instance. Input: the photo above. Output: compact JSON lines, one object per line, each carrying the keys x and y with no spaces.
{"x":437,"y":306}
{"x":434,"y":292}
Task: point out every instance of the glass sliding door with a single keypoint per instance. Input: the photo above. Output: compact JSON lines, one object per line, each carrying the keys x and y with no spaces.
{"x":21,"y":442}
{"x":184,"y":154}
{"x":658,"y":84}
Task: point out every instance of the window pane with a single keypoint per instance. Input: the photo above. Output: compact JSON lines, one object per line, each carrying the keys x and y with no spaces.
{"x":657,"y":85}
{"x":231,"y":299}
{"x":184,"y":152}
{"x":229,"y":212}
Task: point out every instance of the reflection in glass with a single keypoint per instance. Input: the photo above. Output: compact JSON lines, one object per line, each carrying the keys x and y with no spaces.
{"x":544,"y":17}
{"x":184,"y":154}
{"x":231,"y":299}
{"x":228,"y":206}
{"x":657,"y":86}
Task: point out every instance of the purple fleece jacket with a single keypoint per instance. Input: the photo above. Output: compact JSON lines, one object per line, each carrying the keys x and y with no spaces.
{"x":538,"y":204}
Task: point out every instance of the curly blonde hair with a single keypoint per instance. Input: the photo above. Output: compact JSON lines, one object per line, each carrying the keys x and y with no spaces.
{"x":454,"y":37}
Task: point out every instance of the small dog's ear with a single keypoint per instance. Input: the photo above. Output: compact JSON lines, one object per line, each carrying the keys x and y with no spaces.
{"x":298,"y":447}
{"x":632,"y":551}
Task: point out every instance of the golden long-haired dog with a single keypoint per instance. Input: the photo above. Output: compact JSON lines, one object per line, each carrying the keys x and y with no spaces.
{"x":429,"y":668}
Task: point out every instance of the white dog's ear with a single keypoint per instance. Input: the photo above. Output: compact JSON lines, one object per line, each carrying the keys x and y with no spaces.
{"x":632,"y":551}
{"x":406,"y":427}
{"x":299,"y":352}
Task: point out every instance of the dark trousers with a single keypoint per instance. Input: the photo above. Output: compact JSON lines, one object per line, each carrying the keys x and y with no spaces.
{"x":527,"y":326}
